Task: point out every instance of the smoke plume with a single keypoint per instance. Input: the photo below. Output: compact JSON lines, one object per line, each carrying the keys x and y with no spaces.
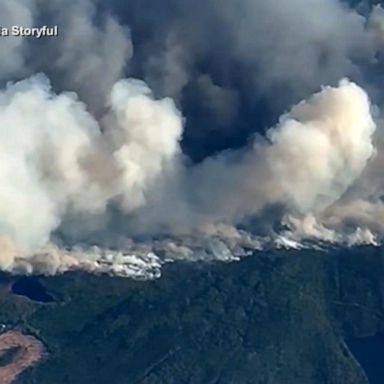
{"x":146,"y":134}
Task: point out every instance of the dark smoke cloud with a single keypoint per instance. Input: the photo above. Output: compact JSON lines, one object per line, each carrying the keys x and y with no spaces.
{"x":258,"y":49}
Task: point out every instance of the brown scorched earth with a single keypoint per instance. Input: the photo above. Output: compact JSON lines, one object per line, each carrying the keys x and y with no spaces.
{"x":30,"y":351}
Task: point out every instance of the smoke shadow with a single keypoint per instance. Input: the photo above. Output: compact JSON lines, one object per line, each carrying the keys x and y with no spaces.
{"x":31,"y":288}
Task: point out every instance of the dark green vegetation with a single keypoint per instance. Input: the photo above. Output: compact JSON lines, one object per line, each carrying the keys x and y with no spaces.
{"x":277,"y":317}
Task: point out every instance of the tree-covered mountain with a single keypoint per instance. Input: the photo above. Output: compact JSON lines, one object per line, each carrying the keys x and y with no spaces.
{"x":275,"y":317}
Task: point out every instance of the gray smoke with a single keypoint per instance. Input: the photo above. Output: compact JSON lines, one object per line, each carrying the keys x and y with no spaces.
{"x":12,"y":48}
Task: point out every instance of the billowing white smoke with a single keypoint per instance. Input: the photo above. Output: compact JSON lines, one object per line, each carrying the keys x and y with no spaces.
{"x":146,"y":136}
{"x":321,"y":146}
{"x":311,"y":157}
{"x":319,"y":151}
{"x":55,"y":159}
